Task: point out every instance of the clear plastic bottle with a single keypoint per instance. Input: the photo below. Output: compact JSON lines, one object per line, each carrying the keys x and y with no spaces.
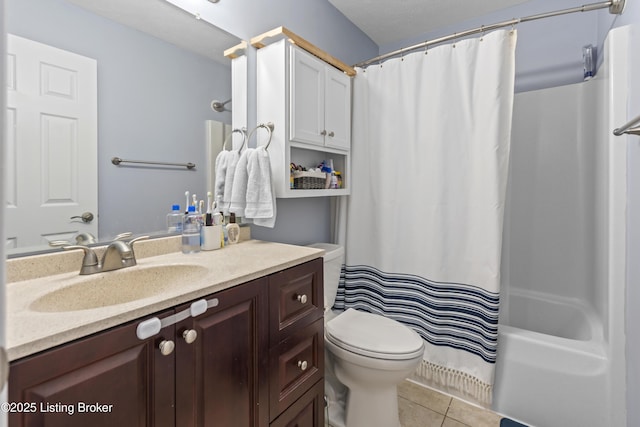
{"x":191,"y":231}
{"x":174,"y":220}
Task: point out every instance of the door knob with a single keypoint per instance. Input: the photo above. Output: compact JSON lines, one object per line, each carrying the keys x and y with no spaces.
{"x":85,"y":217}
{"x":190,"y":335}
{"x":166,"y":347}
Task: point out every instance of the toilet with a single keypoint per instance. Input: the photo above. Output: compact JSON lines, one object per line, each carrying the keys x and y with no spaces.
{"x":368,"y":353}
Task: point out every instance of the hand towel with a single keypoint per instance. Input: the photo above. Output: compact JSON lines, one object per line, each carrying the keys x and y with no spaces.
{"x":238,"y":199}
{"x":261,"y":202}
{"x":221,"y":172}
{"x":232,"y":161}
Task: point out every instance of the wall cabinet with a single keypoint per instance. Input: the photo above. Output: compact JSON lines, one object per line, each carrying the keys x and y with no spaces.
{"x":320,"y":102}
{"x":230,"y":366}
{"x":309,"y":103}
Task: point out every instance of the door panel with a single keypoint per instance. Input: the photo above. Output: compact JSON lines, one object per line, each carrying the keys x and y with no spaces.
{"x":52,"y":142}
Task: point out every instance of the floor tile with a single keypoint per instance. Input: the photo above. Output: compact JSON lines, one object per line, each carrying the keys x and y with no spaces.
{"x":414,"y":415}
{"x":450,"y":422}
{"x":472,"y":415}
{"x":424,"y":396}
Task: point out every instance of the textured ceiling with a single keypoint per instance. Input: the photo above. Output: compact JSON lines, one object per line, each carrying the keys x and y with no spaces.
{"x":388,"y":21}
{"x":167,"y":22}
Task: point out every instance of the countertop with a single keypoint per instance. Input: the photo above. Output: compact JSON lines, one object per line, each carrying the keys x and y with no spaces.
{"x":30,"y":331}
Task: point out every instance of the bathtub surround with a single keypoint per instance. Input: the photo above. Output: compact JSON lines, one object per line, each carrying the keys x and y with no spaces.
{"x":431,"y":144}
{"x":564,"y":255}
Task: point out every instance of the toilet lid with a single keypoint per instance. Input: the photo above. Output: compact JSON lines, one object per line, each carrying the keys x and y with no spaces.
{"x":373,"y":335}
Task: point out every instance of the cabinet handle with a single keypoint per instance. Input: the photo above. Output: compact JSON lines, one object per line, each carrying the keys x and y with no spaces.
{"x":323,"y":133}
{"x":331,"y":134}
{"x":302,"y":298}
{"x":302,"y":364}
{"x":166,"y":347}
{"x":190,"y":335}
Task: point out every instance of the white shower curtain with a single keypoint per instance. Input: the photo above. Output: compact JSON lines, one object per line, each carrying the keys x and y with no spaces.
{"x":431,"y":135}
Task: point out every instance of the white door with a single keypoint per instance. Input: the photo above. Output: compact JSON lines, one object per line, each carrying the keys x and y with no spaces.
{"x":337,"y":115}
{"x":52,"y":143}
{"x":307,"y":98}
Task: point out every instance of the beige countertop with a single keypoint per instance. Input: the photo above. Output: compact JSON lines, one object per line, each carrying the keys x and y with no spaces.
{"x":30,"y":330}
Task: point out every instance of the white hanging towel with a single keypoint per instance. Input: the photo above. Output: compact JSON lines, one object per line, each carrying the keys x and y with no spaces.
{"x":221,"y":173}
{"x":238,"y":200}
{"x":231,"y":163}
{"x":261,"y":201}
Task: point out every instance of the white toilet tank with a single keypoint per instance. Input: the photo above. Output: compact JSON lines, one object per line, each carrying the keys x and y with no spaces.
{"x":333,"y":260}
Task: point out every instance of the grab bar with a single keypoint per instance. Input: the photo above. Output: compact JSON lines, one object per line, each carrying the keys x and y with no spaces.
{"x":629,"y":128}
{"x":117,"y":160}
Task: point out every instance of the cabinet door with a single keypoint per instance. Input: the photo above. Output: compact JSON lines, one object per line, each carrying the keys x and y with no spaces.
{"x":337,"y":114}
{"x":109,"y":379}
{"x":221,"y":377}
{"x":307,"y":94}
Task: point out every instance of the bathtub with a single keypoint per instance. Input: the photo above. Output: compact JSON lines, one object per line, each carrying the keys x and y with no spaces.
{"x":552,"y":367}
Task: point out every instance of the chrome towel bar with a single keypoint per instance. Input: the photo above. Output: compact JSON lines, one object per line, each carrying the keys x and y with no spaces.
{"x":117,"y":160}
{"x":629,"y":128}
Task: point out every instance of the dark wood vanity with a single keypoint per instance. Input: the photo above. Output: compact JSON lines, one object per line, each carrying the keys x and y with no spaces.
{"x":254,"y":359}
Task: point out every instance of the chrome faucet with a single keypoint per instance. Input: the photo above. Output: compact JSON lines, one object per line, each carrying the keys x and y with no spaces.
{"x":119,"y":254}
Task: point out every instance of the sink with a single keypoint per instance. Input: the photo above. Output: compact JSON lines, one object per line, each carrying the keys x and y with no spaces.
{"x":118,"y":287}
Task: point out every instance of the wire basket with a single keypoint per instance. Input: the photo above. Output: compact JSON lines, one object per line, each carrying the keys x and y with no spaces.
{"x":304,"y":180}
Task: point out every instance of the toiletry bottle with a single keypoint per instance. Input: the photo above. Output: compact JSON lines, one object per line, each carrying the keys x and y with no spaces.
{"x":191,"y":231}
{"x":174,"y":220}
{"x":233,"y":230}
{"x":225,"y":236}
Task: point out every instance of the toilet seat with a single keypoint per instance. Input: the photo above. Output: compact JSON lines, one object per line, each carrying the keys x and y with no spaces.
{"x":372,"y":335}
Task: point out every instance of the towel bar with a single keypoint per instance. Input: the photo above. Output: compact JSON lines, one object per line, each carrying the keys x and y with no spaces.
{"x":117,"y":160}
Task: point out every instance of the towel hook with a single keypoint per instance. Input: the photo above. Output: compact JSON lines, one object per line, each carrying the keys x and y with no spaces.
{"x":244,"y":137}
{"x":269,"y":127}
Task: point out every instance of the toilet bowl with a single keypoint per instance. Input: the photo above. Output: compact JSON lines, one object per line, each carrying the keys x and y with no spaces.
{"x":368,"y":353}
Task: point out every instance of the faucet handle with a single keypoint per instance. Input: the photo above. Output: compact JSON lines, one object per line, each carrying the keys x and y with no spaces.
{"x":137,"y":239}
{"x":90,"y":263}
{"x":123,"y":235}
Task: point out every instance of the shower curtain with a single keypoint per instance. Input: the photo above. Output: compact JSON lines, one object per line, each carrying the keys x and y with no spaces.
{"x":423,"y":228}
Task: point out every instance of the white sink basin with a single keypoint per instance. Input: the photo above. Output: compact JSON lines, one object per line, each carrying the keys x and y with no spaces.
{"x":118,"y":287}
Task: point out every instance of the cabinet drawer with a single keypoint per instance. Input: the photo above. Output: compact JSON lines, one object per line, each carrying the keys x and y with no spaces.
{"x":308,"y":411}
{"x":296,"y":299}
{"x":295,"y":365}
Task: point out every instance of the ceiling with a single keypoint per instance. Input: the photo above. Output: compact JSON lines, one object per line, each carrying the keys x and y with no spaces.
{"x":389,"y":21}
{"x":167,"y":22}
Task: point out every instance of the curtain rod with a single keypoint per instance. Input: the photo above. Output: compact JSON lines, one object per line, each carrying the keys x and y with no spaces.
{"x":615,"y":7}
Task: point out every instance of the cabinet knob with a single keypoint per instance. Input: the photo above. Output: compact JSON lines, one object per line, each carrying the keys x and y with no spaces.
{"x":166,"y":347}
{"x":323,"y":133}
{"x":302,"y":298}
{"x":302,"y":364}
{"x":190,"y":335}
{"x":331,"y":134}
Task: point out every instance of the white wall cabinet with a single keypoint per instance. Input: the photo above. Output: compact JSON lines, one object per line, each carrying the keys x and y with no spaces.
{"x":320,"y":102}
{"x":309,"y":103}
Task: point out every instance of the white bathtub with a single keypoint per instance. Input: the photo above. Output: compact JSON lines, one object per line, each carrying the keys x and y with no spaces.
{"x":552,"y":368}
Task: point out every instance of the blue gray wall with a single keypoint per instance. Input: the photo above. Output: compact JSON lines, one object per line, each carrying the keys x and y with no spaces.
{"x":153,"y":100}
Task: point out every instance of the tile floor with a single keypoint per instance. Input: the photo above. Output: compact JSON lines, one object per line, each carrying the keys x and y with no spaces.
{"x":424,"y":407}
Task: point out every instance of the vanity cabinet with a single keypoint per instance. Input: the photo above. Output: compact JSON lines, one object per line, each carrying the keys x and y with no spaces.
{"x":108,"y":379}
{"x":221,"y":377}
{"x":255,"y":357}
{"x":296,"y":339}
{"x":309,"y":103}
